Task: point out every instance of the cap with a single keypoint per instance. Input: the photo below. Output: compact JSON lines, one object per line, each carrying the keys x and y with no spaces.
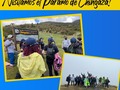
{"x":73,"y":40}
{"x":50,"y":40}
{"x":10,"y":36}
{"x":22,"y":40}
{"x":31,"y":41}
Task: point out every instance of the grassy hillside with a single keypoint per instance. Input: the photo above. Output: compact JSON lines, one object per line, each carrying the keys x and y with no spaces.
{"x":49,"y":27}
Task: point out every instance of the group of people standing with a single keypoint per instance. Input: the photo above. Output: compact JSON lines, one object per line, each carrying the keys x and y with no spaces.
{"x":30,"y":61}
{"x":33,"y":54}
{"x":73,"y":45}
{"x":87,"y":81}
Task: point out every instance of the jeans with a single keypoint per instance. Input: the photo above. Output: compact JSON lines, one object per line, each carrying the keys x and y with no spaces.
{"x":11,"y":57}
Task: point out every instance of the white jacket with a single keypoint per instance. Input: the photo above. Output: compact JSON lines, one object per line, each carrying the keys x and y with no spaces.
{"x":66,"y":43}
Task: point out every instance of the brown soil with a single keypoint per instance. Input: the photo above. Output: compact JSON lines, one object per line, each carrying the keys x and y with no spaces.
{"x":83,"y":88}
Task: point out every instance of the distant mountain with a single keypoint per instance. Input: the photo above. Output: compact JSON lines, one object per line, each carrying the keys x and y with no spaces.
{"x":76,"y":22}
{"x":51,"y":27}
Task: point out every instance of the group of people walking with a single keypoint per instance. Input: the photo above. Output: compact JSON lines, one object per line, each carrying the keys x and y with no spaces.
{"x":87,"y":81}
{"x":30,"y":61}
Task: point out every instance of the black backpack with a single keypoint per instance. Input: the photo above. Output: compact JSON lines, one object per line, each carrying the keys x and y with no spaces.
{"x":75,"y":48}
{"x":68,"y":79}
{"x":50,"y":52}
{"x":78,"y":48}
{"x":71,"y":49}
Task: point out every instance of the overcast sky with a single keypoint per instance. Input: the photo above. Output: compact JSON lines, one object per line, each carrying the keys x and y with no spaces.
{"x":97,"y":66}
{"x":64,"y":19}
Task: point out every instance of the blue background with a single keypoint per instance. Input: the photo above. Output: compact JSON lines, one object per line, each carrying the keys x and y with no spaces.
{"x":101,"y":38}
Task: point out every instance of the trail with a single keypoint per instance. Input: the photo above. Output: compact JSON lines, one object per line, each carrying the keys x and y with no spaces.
{"x":83,"y":88}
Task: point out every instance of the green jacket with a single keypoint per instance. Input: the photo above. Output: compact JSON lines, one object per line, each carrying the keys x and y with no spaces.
{"x":86,"y":82}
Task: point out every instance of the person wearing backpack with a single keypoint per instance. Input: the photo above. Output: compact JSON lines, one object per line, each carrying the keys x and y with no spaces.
{"x":68,"y":79}
{"x":30,"y":62}
{"x":107,"y":81}
{"x":65,"y":44}
{"x":75,"y":46}
{"x":71,"y":47}
{"x":50,"y":50}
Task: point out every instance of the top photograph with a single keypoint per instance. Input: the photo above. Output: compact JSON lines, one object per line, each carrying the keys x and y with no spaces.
{"x":34,"y":47}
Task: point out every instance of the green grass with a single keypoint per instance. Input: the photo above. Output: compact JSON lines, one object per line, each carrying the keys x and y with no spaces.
{"x":11,"y":71}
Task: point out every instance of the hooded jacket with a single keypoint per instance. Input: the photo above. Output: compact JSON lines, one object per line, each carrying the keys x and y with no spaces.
{"x":31,"y":66}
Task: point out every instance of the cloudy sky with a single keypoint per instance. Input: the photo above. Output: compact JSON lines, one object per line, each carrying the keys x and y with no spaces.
{"x":64,"y":19}
{"x":97,"y":66}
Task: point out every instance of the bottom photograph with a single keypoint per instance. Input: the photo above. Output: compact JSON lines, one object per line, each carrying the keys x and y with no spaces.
{"x":89,"y":73}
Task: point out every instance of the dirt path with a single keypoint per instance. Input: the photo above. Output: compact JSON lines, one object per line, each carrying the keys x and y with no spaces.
{"x":82,"y":88}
